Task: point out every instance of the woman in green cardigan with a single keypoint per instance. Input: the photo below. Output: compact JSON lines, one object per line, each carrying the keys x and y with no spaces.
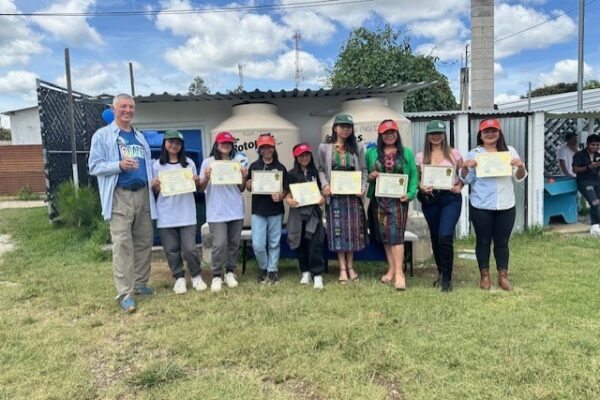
{"x":387,"y":215}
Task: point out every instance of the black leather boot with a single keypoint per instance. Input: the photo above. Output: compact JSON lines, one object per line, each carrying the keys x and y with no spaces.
{"x":446,"y":249}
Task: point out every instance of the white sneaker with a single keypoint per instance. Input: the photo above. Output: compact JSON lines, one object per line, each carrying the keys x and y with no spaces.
{"x":318,"y":282}
{"x":305,"y":278}
{"x":180,"y":287}
{"x":198,"y":283}
{"x":216,"y":284}
{"x":230,"y":280}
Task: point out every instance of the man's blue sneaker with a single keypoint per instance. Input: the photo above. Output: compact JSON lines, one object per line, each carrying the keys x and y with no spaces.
{"x":143,"y":291}
{"x":127,"y":304}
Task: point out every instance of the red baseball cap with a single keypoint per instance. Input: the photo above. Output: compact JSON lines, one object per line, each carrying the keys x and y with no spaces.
{"x":224,"y":137}
{"x":301,"y":148}
{"x":265,"y":140}
{"x":489,"y":123}
{"x":386,"y":126}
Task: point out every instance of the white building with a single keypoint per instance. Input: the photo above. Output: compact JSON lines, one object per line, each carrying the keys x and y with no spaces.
{"x":25,"y":126}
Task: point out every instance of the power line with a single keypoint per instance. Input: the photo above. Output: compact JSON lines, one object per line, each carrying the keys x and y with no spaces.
{"x":305,"y":4}
{"x":541,"y":23}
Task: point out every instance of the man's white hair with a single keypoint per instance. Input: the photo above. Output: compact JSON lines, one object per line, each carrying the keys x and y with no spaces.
{"x":120,"y":97}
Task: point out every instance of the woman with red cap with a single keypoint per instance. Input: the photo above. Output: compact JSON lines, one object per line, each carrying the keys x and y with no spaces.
{"x":345,"y":214}
{"x":224,"y":211}
{"x":305,"y":223}
{"x":387,"y":215}
{"x":267,"y":212}
{"x":492,"y":199}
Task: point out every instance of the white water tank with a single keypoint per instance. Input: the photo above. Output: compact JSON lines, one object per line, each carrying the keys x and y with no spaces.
{"x":367,"y":114}
{"x":250,"y":120}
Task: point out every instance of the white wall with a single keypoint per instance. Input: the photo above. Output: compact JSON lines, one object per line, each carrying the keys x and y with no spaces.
{"x":25,"y":127}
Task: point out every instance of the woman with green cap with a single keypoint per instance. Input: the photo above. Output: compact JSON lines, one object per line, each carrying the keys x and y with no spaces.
{"x":345,"y":214}
{"x":441,"y":207}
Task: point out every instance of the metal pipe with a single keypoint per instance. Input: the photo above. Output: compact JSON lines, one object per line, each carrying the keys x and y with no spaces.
{"x":71,"y":120}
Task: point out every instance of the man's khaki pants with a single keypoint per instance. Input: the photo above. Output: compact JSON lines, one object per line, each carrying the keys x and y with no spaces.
{"x":131,"y":232}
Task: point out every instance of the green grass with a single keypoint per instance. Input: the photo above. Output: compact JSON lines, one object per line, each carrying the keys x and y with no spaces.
{"x":62,"y":336}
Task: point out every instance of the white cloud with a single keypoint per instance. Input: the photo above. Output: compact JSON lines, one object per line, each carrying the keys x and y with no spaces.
{"x":563,"y":71}
{"x":75,"y":31}
{"x":20,"y":83}
{"x":503,"y":98}
{"x":499,"y":70}
{"x":510,"y":19}
{"x":94,"y":79}
{"x":312,"y":26}
{"x":447,"y":50}
{"x":440,"y":29}
{"x":17,"y":42}
{"x":284,"y":68}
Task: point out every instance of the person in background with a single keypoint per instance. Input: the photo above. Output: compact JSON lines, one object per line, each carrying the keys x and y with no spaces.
{"x":177,"y":215}
{"x":224,"y":211}
{"x":387,"y":215}
{"x":345,"y":214}
{"x":305,"y":224}
{"x":565,"y":155}
{"x":267,"y":212}
{"x":492,"y":200}
{"x":120,"y":158}
{"x":586,"y":164}
{"x":441,"y":208}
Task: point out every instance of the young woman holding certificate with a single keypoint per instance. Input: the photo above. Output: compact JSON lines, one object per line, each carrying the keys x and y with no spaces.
{"x":267,"y":207}
{"x":177,"y":212}
{"x":304,"y":224}
{"x":490,"y":169}
{"x":223,"y":177}
{"x":345,"y":215}
{"x":387,"y":215}
{"x":439,"y":194}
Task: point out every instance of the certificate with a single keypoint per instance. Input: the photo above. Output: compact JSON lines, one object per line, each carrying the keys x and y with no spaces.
{"x":346,"y":182}
{"x":493,"y":164}
{"x":177,"y":181}
{"x":267,"y":182}
{"x":438,"y":177}
{"x":391,"y":185}
{"x":306,"y":194}
{"x":225,"y":173}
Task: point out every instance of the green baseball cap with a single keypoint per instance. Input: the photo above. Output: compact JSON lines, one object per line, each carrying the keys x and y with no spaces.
{"x":435,"y":126}
{"x":173,"y":135}
{"x":343,"y":119}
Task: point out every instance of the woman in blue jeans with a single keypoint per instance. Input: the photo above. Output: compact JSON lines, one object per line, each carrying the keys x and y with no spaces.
{"x":441,"y":207}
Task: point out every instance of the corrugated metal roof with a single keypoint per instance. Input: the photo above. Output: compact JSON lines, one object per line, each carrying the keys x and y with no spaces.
{"x":556,"y":103}
{"x":451,"y":114}
{"x":17,"y":110}
{"x":268,"y":95}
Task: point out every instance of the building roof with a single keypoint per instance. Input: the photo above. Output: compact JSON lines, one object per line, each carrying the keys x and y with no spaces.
{"x":17,"y":110}
{"x":556,"y":103}
{"x":269,"y":94}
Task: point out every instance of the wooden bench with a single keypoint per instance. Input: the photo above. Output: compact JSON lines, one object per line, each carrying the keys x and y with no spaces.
{"x":373,"y":252}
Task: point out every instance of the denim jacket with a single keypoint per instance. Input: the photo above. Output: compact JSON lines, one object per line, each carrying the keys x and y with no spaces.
{"x":104,"y":164}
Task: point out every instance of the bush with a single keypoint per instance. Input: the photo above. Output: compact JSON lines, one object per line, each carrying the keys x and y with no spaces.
{"x":25,"y":194}
{"x":78,"y":207}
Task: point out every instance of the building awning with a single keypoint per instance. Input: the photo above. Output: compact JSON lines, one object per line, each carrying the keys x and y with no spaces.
{"x":259,"y":95}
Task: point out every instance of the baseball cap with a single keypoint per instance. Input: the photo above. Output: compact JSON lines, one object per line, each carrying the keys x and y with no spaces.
{"x":224,"y":137}
{"x":301,"y":148}
{"x":173,"y":134}
{"x":386,"y":126}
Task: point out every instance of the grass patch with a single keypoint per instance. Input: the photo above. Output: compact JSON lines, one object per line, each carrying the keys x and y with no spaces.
{"x":62,"y":336}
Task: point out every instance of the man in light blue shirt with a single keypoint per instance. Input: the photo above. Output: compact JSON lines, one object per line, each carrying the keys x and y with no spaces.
{"x":120,"y":159}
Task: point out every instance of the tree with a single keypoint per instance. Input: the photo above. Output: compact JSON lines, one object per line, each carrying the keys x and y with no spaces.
{"x":4,"y":134}
{"x":562,"y":87}
{"x":197,"y":87}
{"x":384,"y":56}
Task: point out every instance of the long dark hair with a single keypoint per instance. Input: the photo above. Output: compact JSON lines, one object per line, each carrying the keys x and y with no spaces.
{"x":349,"y":144}
{"x":214,"y":152}
{"x":500,"y":144}
{"x":164,"y":154}
{"x":381,"y":144}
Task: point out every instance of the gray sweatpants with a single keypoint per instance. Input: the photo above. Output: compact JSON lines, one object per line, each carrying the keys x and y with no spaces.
{"x":179,"y":244}
{"x":225,"y":245}
{"x":131,"y":233}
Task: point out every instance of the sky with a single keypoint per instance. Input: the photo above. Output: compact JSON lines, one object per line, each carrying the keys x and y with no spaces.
{"x":535,"y":41}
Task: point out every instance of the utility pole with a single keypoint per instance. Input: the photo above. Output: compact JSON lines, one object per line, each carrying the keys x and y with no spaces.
{"x":298,"y":76}
{"x":241,"y":73}
{"x":131,"y":79}
{"x":464,"y":82}
{"x":71,"y":120}
{"x":580,"y":66}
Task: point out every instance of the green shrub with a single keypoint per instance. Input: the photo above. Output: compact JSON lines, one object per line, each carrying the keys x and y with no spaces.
{"x":78,"y":207}
{"x":155,"y":375}
{"x":25,"y":194}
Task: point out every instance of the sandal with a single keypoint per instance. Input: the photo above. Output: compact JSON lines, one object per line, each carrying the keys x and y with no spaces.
{"x":343,"y":279}
{"x":386,"y":279}
{"x":352,"y":275}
